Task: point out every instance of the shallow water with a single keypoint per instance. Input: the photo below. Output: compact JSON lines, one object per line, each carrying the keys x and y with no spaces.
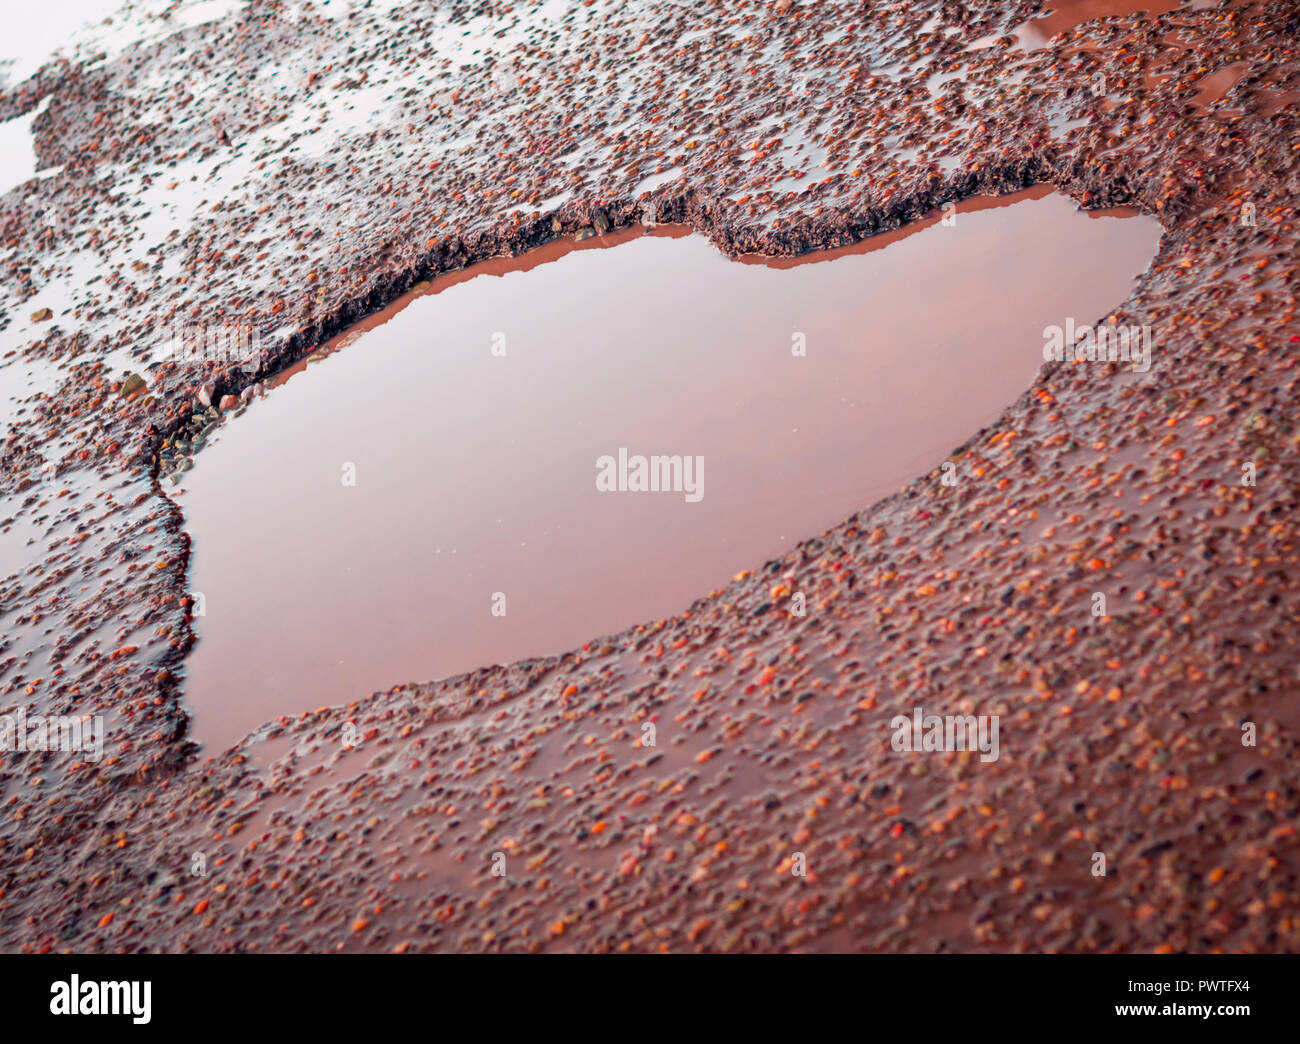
{"x":475,"y":473}
{"x":17,"y":149}
{"x":1063,"y":15}
{"x":36,"y":34}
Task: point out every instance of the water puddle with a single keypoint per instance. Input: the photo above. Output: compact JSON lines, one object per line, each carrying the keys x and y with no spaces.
{"x":1213,"y":86}
{"x":425,"y":500}
{"x":1063,"y":15}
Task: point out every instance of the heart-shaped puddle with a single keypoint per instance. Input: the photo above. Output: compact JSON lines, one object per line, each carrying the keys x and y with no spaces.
{"x":426,"y":500}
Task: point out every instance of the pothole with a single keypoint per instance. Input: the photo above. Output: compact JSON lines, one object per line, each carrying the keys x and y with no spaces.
{"x":459,"y":486}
